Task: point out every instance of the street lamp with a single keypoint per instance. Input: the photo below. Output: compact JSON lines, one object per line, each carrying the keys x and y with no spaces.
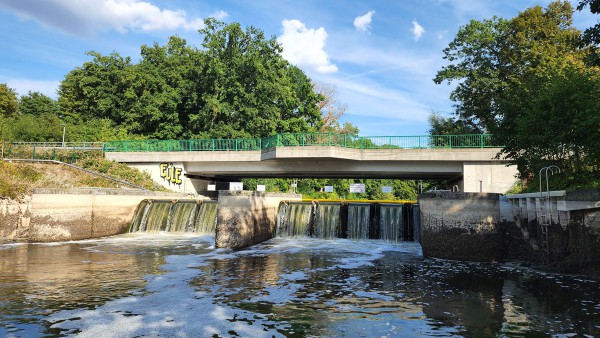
{"x":63,"y":140}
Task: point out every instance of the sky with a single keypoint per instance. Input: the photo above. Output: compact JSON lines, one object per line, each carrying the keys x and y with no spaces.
{"x":379,"y":55}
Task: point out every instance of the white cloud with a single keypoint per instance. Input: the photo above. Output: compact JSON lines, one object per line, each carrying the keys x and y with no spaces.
{"x":417,"y":30}
{"x":85,"y":17}
{"x":363,"y":23}
{"x":220,"y":15}
{"x":304,"y":47}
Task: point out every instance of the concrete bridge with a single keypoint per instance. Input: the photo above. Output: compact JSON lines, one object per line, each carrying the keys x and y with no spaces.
{"x":467,"y":161}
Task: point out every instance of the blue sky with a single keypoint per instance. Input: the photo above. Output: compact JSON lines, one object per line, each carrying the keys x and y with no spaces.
{"x":381,"y":56}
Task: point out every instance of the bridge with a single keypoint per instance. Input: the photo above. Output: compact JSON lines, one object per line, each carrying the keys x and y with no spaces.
{"x":468,"y":161}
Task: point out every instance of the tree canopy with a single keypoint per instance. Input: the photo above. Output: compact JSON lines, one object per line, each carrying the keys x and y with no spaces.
{"x":236,"y":85}
{"x":526,"y":81}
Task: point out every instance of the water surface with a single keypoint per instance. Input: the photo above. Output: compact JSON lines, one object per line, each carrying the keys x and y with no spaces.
{"x":167,"y":285}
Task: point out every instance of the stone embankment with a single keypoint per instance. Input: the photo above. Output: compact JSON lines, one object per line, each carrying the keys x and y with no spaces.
{"x":50,"y":215}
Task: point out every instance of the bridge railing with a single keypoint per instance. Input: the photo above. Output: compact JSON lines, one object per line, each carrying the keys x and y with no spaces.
{"x":305,"y":139}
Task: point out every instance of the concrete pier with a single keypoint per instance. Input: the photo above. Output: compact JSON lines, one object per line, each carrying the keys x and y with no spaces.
{"x":461,"y":226}
{"x":246,"y":218}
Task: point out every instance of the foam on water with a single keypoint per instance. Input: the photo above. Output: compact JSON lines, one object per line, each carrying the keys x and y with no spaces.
{"x":170,"y":306}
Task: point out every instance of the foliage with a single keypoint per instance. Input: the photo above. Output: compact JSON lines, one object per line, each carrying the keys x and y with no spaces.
{"x":332,"y":110}
{"x":524,"y":80}
{"x":36,"y":104}
{"x":439,"y":125}
{"x":237,"y":85}
{"x":591,"y":36}
{"x":9,"y":105}
{"x":314,"y":188}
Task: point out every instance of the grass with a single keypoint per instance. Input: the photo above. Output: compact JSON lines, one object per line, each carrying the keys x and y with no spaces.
{"x":20,"y":178}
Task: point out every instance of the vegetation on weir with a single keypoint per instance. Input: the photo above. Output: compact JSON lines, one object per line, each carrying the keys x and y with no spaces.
{"x":532,"y":81}
{"x":20,"y":178}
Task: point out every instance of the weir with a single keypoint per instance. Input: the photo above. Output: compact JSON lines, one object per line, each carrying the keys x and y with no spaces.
{"x":359,"y":221}
{"x":175,"y":216}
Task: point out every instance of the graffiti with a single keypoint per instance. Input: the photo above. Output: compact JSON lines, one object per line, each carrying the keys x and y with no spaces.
{"x":170,"y":173}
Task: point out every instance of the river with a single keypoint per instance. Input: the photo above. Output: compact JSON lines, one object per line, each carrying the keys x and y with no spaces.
{"x":165,"y":285}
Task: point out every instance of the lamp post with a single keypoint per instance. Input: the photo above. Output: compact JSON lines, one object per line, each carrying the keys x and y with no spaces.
{"x":63,"y":139}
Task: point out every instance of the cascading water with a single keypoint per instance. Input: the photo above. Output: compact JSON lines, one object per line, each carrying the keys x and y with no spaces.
{"x":358,"y":220}
{"x":175,"y":216}
{"x":390,"y":223}
{"x":206,"y":221}
{"x":327,"y":220}
{"x":294,"y":219}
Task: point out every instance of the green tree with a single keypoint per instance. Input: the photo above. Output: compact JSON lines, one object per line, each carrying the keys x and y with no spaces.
{"x":248,"y":89}
{"x":237,"y":85}
{"x":36,"y":103}
{"x":591,"y":36}
{"x":9,"y":104}
{"x":439,"y":125}
{"x":524,"y":81}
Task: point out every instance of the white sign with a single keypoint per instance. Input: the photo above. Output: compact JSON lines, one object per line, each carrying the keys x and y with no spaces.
{"x":236,"y":186}
{"x":386,"y":189}
{"x":260,"y":187}
{"x":357,"y":188}
{"x":328,"y":188}
{"x":294,"y":185}
{"x":212,"y":187}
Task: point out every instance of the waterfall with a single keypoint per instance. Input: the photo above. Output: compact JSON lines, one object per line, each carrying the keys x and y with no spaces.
{"x":358,"y":220}
{"x":327,"y":221}
{"x":175,"y":216}
{"x":390,"y":223}
{"x":206,"y":221}
{"x":294,"y":219}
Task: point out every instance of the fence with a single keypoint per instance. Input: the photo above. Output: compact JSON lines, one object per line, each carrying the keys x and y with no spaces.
{"x":306,"y":139}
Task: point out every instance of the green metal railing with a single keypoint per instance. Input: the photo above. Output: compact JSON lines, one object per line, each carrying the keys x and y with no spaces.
{"x":305,"y":140}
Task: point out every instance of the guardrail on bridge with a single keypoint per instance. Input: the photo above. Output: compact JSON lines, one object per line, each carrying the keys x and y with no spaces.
{"x":305,"y":139}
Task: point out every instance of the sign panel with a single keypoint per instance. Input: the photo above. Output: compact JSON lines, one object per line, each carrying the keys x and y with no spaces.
{"x":260,"y":187}
{"x":328,"y":188}
{"x":211,"y":187}
{"x":386,"y":189}
{"x":236,"y":186}
{"x":357,"y":188}
{"x":294,"y":185}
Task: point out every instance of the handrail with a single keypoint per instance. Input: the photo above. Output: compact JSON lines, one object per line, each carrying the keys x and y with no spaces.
{"x":305,"y":140}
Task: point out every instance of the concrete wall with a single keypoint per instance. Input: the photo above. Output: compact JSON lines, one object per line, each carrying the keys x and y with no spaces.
{"x":556,"y":229}
{"x":461,"y":226}
{"x":487,"y":177}
{"x":61,"y":215}
{"x":180,"y":184}
{"x":246,"y":218}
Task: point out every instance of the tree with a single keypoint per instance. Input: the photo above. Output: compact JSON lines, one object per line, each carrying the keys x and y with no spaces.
{"x":439,"y":125}
{"x":36,"y":103}
{"x":9,"y":104}
{"x":524,"y":81}
{"x":590,"y":38}
{"x":237,"y":85}
{"x":491,"y":58}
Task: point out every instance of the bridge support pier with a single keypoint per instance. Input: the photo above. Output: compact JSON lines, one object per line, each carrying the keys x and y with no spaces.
{"x":245,"y":218}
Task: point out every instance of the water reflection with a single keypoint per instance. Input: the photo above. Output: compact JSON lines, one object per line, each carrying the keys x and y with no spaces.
{"x":180,"y":286}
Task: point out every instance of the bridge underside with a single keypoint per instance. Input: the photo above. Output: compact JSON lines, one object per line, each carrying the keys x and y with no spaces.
{"x":472,"y":169}
{"x":323,"y":168}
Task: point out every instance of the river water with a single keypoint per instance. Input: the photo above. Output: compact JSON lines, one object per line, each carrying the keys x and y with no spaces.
{"x":163,"y":285}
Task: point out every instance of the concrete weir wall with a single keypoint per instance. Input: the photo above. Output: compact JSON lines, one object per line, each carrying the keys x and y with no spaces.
{"x":50,"y":215}
{"x":461,"y":226}
{"x":246,"y":218}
